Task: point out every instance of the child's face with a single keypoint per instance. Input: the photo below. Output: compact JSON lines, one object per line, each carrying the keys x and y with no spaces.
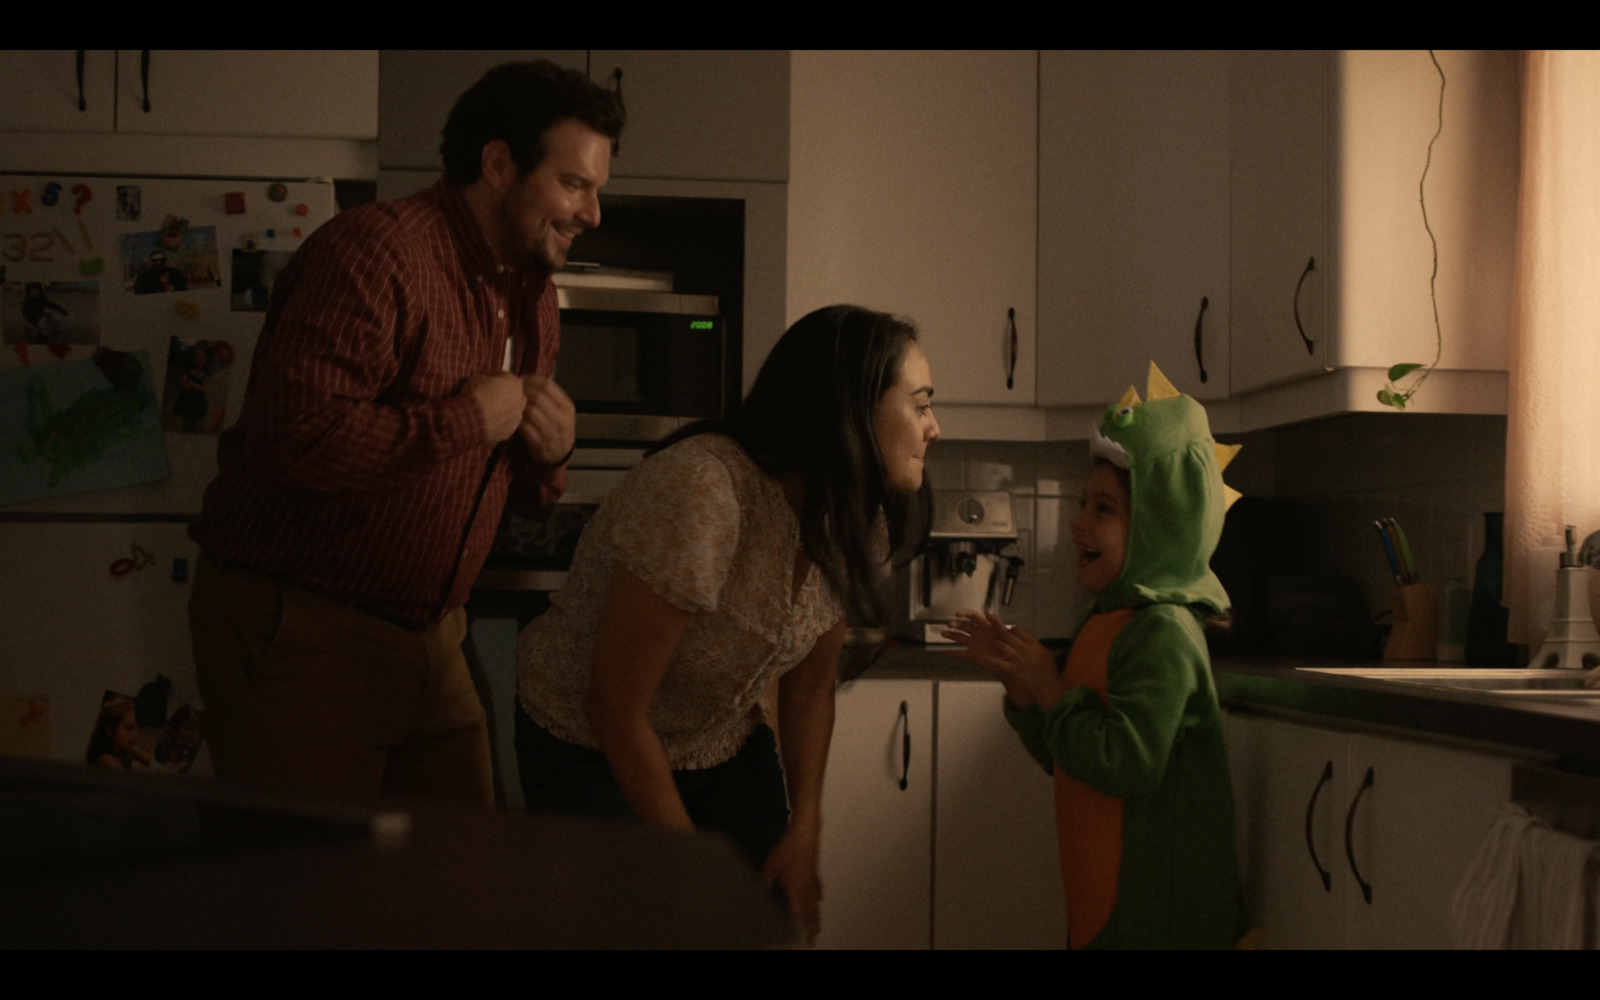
{"x":126,"y":733}
{"x":1100,"y":531}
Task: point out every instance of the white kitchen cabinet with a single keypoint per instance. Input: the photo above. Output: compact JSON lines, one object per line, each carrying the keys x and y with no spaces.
{"x":965,"y":855}
{"x":1305,"y":808}
{"x":912,"y":189}
{"x":418,"y":87}
{"x":692,"y":115}
{"x":997,"y":867}
{"x":700,"y":114}
{"x":307,"y":94}
{"x":1133,"y":223}
{"x":876,"y":864}
{"x":42,"y":90}
{"x":272,"y":93}
{"x":1278,"y":128}
{"x":1328,"y":153}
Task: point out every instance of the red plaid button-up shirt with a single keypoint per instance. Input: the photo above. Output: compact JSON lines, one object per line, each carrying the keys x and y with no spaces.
{"x":356,"y":464}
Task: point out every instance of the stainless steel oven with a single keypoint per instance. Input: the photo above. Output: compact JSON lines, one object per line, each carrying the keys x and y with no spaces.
{"x":533,"y":546}
{"x":639,"y":361}
{"x":639,"y":364}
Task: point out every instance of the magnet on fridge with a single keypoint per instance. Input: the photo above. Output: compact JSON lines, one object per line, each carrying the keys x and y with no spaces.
{"x":51,"y":194}
{"x":272,"y":234}
{"x":122,"y":567}
{"x":92,"y":266}
{"x":187,"y":308}
{"x":302,"y":209}
{"x":233,"y":203}
{"x":297,"y":231}
{"x":278,"y":192}
{"x":180,"y":570}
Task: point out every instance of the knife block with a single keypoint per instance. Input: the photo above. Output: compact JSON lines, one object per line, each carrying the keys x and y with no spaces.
{"x":1416,"y":624}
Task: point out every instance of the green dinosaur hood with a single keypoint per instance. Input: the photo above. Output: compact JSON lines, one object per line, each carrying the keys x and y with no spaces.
{"x":1178,"y":499}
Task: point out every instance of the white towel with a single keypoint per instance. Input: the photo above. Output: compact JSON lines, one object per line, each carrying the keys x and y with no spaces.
{"x":1553,"y":888}
{"x":1484,"y":906}
{"x":1527,"y":888}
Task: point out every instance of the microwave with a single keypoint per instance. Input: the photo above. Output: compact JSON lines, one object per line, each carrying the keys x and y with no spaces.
{"x":639,"y":364}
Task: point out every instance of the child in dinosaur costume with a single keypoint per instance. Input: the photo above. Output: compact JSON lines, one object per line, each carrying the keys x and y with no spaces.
{"x":1130,"y":726}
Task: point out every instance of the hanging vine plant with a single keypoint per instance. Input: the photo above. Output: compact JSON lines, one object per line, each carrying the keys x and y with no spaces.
{"x":1394,"y":393}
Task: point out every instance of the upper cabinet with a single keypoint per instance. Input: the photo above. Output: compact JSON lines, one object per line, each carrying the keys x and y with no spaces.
{"x":58,"y":90}
{"x":715,"y":115}
{"x":304,"y":94}
{"x":912,"y":183}
{"x":1133,"y":223}
{"x":418,"y":87}
{"x":1335,"y":227}
{"x":1279,"y":187}
{"x":700,"y":115}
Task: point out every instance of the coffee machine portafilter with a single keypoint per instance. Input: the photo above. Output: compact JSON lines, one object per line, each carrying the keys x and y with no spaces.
{"x":965,"y":565}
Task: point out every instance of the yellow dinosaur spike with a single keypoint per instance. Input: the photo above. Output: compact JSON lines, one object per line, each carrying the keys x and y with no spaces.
{"x":1225,"y":453}
{"x":1229,"y":496}
{"x":1158,"y":387}
{"x":1129,"y":398}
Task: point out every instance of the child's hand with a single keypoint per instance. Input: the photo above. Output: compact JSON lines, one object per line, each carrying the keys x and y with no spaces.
{"x":1018,"y":660}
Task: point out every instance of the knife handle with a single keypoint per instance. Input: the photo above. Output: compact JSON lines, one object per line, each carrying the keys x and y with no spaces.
{"x":1389,"y":552}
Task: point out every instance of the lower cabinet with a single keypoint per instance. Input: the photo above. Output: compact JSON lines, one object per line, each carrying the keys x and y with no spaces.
{"x":1349,"y":840}
{"x":938,"y":828}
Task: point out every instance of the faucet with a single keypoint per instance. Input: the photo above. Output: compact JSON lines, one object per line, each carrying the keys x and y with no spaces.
{"x":1588,"y":555}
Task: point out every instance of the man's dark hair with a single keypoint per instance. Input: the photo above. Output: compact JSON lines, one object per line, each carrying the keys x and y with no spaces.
{"x":519,"y":102}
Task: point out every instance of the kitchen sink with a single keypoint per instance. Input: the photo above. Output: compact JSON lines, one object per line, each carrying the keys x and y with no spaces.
{"x":1512,"y":681}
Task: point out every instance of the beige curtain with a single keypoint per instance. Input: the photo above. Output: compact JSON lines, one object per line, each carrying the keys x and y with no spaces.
{"x":1553,"y":423}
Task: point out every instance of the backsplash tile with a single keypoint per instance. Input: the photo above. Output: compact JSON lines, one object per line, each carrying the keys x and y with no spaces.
{"x":1039,"y":476}
{"x":1436,"y":474}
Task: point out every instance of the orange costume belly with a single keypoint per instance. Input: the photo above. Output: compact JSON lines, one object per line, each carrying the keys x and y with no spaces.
{"x":1089,"y":823}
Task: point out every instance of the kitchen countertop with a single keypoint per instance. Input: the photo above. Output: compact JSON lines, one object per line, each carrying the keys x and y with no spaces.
{"x":1566,"y":733}
{"x":902,"y":660}
{"x":1563,"y":733}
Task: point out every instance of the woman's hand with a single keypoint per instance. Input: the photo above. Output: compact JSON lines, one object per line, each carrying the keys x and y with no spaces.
{"x":792,"y":867}
{"x":1018,"y":660}
{"x":805,"y":728}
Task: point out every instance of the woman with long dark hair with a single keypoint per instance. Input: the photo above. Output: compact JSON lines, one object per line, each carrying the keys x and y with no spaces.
{"x":731,"y":557}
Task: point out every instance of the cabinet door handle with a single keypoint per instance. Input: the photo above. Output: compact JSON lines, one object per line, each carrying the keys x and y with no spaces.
{"x":82,"y":104}
{"x":1311,"y":265}
{"x":616,"y":88}
{"x":1011,"y":367}
{"x":1199,"y":327}
{"x":144,"y":76}
{"x":905,"y":744}
{"x":1311,"y":807}
{"x":1349,"y":847}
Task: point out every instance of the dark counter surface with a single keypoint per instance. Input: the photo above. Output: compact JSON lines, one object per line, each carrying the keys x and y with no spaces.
{"x":1566,"y":731}
{"x":915,"y":661}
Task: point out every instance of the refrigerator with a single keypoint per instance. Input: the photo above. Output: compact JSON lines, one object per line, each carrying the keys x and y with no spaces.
{"x":129,"y":311}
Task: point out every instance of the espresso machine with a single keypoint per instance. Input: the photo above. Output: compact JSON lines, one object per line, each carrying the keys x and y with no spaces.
{"x":964,"y":566}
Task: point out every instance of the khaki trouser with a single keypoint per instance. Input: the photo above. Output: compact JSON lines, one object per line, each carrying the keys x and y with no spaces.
{"x":305,"y":694}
